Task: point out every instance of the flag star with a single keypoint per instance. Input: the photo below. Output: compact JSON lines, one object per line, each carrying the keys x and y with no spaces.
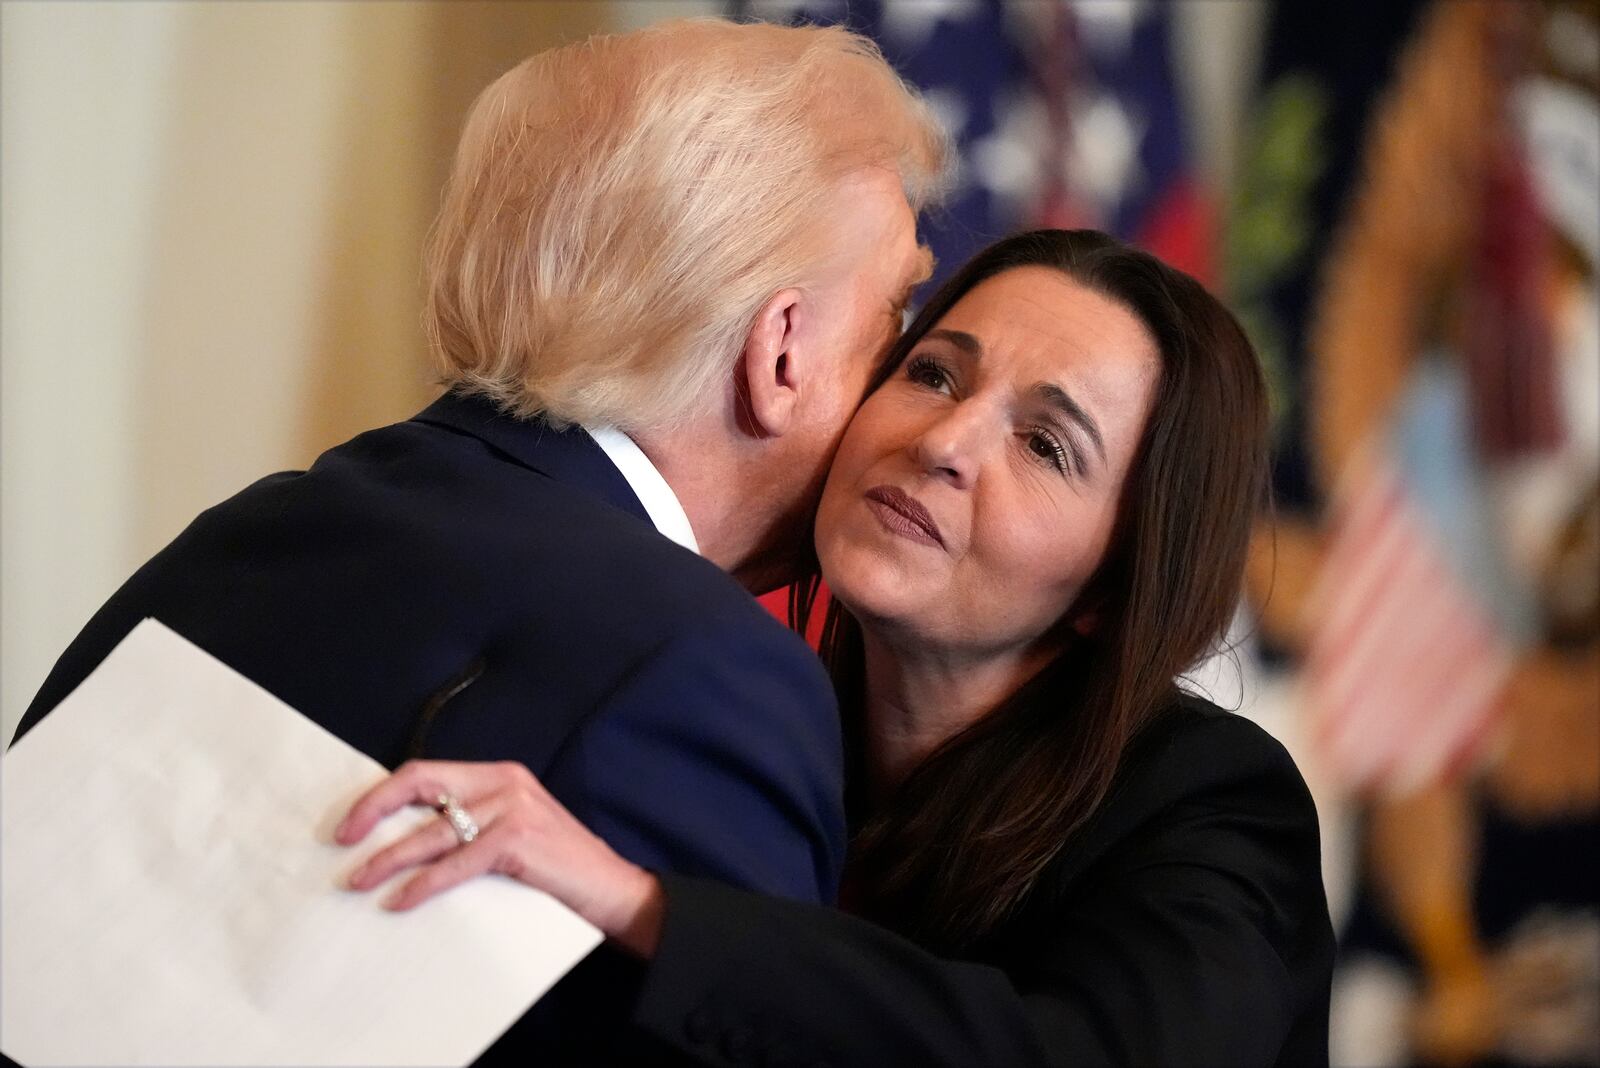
{"x":909,"y":24}
{"x":1007,"y":162}
{"x":1103,"y":161}
{"x":950,"y":107}
{"x":1107,"y":26}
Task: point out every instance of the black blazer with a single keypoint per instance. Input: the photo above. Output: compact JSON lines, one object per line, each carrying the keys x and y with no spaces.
{"x":466,"y":586}
{"x":1186,"y":925}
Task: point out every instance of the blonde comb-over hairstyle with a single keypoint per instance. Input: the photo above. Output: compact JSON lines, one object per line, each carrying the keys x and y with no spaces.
{"x":619,"y":210}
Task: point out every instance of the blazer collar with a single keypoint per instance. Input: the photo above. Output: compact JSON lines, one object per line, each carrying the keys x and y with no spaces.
{"x":569,"y":456}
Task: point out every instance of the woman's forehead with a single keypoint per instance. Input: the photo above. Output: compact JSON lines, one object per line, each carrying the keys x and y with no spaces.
{"x":1037,"y":320}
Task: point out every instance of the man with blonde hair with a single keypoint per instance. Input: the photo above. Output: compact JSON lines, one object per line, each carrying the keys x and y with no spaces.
{"x":662,"y":271}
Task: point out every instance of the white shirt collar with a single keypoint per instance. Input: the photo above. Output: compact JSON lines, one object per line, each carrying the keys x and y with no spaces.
{"x":660,"y":503}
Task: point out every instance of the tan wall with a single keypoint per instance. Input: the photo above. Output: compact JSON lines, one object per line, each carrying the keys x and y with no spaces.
{"x":211,"y":229}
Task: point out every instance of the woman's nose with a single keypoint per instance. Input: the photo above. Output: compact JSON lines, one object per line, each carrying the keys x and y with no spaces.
{"x":949,"y":448}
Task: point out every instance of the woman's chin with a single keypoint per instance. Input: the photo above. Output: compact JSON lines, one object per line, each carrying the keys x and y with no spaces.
{"x":876,"y":594}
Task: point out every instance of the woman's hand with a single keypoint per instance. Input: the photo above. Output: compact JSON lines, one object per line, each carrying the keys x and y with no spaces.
{"x":523,"y":832}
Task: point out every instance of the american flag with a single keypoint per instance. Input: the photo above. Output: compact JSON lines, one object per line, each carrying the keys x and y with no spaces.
{"x":1416,"y":627}
{"x":1063,"y":114}
{"x":1409,"y":657}
{"x":1405,"y":665}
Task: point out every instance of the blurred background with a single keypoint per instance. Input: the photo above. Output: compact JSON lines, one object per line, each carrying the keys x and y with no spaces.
{"x":209,"y":270}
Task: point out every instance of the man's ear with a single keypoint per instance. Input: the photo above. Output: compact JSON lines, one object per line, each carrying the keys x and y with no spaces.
{"x":768,"y":376}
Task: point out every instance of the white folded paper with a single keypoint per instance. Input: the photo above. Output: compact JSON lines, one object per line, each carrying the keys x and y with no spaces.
{"x":171,"y":893}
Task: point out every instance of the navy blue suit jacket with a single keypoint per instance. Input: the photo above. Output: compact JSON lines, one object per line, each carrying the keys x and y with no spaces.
{"x":466,"y":586}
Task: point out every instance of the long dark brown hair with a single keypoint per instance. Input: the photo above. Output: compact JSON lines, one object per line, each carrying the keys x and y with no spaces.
{"x":963,"y":839}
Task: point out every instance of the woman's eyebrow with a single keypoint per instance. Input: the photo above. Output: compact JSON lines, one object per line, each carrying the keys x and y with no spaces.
{"x":1062,"y":401}
{"x":962,"y":340}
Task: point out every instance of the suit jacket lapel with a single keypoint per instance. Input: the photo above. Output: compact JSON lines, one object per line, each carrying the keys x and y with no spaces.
{"x":569,"y":456}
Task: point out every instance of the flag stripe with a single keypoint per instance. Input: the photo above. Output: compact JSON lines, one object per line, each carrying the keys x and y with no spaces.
{"x":1404,"y":668}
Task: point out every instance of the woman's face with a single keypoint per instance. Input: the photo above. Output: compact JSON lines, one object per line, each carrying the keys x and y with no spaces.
{"x":974,"y":493}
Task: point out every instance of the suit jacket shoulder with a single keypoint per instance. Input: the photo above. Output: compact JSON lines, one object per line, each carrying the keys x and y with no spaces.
{"x":1193,"y":759}
{"x":466,"y":586}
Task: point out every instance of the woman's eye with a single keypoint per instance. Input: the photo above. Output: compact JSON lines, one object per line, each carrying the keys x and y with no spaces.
{"x":1044,"y":445}
{"x":926,"y":372}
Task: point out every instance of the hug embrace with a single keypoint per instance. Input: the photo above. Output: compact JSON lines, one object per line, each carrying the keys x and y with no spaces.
{"x":666,"y":291}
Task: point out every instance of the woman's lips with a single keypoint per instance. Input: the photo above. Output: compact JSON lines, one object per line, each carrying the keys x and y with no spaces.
{"x":904,"y":514}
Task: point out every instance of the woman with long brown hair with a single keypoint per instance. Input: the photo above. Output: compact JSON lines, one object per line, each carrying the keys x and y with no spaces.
{"x":1035,"y":524}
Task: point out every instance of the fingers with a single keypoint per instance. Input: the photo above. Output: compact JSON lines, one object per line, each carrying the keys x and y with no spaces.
{"x":477,"y":857}
{"x":420,"y":782}
{"x":416,"y":783}
{"x":504,"y":799}
{"x":428,"y":842}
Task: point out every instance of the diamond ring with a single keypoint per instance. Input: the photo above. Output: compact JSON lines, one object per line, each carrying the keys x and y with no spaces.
{"x":461,"y":820}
